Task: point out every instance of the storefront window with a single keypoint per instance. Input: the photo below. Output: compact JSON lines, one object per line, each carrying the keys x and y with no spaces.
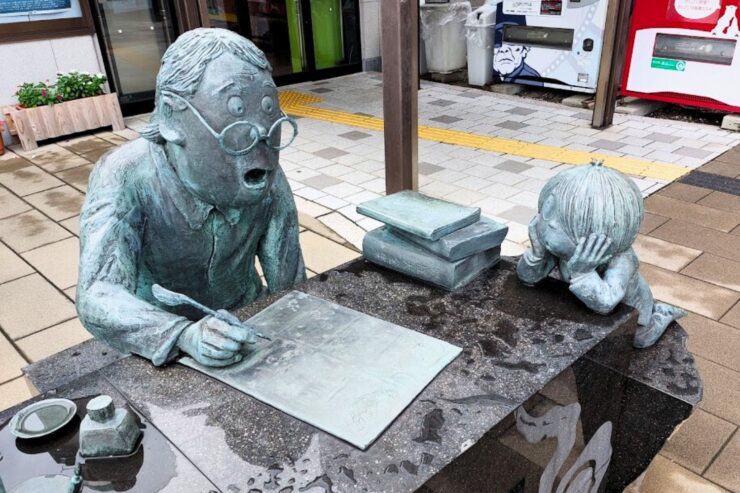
{"x":43,"y":19}
{"x":297,"y":36}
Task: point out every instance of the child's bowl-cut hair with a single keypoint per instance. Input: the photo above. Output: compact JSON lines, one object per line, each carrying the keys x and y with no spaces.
{"x":596,"y":199}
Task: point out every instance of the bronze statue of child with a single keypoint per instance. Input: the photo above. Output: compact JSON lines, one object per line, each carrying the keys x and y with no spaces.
{"x":588,"y":219}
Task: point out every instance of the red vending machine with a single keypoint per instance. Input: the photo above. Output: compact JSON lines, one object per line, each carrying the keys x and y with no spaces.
{"x":685,"y":52}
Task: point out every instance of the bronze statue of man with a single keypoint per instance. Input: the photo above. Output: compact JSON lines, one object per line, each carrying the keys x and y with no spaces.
{"x":189,"y":206}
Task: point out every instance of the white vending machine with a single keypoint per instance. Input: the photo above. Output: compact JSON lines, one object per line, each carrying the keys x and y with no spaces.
{"x":550,"y":43}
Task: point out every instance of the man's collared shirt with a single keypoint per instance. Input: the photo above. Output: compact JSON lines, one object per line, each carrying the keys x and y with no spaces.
{"x":140,"y":227}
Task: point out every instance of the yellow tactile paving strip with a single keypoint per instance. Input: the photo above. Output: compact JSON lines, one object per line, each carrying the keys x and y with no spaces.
{"x":299,"y":104}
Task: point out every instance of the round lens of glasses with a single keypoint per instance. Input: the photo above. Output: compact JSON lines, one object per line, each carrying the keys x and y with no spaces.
{"x":282,"y":133}
{"x":240,"y":137}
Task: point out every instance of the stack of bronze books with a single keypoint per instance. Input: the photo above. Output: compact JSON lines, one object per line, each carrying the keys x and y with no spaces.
{"x":432,"y":240}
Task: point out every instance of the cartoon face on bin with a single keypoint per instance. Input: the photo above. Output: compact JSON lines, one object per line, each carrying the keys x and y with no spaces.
{"x":509,"y":60}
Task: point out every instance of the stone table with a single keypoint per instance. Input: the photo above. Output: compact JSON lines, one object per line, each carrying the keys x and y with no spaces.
{"x":533,"y":347}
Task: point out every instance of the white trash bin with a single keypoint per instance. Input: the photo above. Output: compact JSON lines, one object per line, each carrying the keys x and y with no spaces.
{"x":480,"y":30}
{"x":443,"y":30}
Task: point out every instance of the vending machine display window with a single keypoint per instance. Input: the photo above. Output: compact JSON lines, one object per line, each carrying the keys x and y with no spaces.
{"x":551,"y":43}
{"x":685,"y":52}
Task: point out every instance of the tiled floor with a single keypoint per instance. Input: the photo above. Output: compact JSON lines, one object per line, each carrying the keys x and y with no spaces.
{"x":689,"y":246}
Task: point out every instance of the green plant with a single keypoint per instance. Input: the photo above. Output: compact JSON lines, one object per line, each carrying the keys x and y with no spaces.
{"x":69,"y":86}
{"x":31,"y":95}
{"x":76,"y":85}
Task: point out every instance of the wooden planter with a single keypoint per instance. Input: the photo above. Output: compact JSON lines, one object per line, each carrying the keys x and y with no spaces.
{"x":44,"y":122}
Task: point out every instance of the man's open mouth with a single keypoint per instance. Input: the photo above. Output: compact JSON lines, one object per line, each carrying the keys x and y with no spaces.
{"x":256,"y":178}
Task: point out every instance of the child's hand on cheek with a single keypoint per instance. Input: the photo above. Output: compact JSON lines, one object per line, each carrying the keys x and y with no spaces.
{"x":590,"y":253}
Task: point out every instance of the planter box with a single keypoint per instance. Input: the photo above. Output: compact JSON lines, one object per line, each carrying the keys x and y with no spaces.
{"x":45,"y":122}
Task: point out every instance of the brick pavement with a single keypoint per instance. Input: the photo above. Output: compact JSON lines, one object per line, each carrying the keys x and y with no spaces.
{"x":690,"y":241}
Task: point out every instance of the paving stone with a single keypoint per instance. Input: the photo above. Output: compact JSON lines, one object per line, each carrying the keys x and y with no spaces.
{"x":441,"y":103}
{"x":713,"y":340}
{"x":512,"y":125}
{"x":321,"y":181}
{"x":10,"y":205}
{"x":13,"y":266}
{"x":330,"y":153}
{"x":309,"y":193}
{"x":28,"y":180}
{"x":665,"y":476}
{"x":314,"y":225}
{"x":310,"y":208}
{"x":12,"y":361}
{"x":446,"y":119}
{"x":15,"y":392}
{"x":58,"y":203}
{"x":717,"y":270}
{"x":53,"y":340}
{"x":428,"y":168}
{"x":342,"y":190}
{"x":72,"y":225}
{"x":693,"y":213}
{"x":664,"y":254}
{"x":58,"y":262}
{"x":10,"y":162}
{"x":519,"y":214}
{"x":724,"y":168}
{"x":722,"y":201}
{"x":684,"y":192}
{"x":322,"y":254}
{"x":345,"y":228}
{"x":721,"y":390}
{"x":724,"y":470}
{"x":697,"y":440}
{"x":111,"y":137}
{"x":355,"y":135}
{"x":513,"y":166}
{"x":694,"y":236}
{"x":53,"y":158}
{"x":732,"y":317}
{"x":30,"y":230}
{"x":713,"y":181}
{"x":693,"y":152}
{"x":518,"y":110}
{"x":694,"y":295}
{"x":21,"y":314}
{"x":609,"y":145}
{"x":77,"y":177}
{"x":330,"y":202}
{"x":660,"y":137}
{"x":88,"y":146}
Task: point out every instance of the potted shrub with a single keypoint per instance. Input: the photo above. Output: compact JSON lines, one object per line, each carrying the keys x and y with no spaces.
{"x":74,"y":103}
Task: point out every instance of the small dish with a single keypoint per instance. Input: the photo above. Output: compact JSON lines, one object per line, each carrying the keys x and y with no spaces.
{"x":42,"y":418}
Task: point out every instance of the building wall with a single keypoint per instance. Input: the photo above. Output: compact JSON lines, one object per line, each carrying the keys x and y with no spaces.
{"x":36,"y":61}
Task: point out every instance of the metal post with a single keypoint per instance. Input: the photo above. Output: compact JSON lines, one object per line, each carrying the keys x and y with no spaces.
{"x":400,"y":52}
{"x":616,"y":32}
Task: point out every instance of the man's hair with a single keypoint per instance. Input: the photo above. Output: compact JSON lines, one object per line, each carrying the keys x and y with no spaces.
{"x":596,"y":199}
{"x":185,"y":62}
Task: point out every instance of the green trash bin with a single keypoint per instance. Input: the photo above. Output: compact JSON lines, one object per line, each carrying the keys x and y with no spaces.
{"x":326,"y":20}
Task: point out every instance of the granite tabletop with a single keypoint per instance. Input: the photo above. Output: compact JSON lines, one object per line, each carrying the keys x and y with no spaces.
{"x":515,"y":339}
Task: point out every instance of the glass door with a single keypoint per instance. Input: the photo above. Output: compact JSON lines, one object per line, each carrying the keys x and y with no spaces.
{"x":134,"y":35}
{"x":302,"y":39}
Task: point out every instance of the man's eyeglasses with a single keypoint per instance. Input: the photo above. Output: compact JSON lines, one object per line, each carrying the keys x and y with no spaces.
{"x":239,"y":138}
